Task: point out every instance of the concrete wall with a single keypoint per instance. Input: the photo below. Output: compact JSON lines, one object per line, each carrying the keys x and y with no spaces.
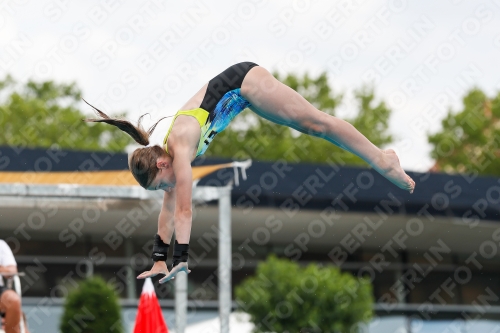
{"x":46,"y":319}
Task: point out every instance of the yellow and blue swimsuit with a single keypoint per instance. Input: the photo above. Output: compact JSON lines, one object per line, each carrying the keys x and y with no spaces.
{"x":221,"y":103}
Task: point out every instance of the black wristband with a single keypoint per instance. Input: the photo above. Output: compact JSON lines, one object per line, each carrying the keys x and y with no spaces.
{"x":160,"y":249}
{"x":180,"y":253}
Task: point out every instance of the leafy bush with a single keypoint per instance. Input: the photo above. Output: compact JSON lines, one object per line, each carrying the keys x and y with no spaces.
{"x":283,"y":297}
{"x":92,"y":308}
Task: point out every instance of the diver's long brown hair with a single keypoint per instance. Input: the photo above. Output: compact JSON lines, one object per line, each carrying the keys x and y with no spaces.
{"x":142,"y":163}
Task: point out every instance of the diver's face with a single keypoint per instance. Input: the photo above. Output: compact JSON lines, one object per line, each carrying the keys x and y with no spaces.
{"x":165,"y":178}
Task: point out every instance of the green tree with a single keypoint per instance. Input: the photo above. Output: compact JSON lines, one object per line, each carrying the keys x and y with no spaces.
{"x":469,"y":141}
{"x":283,"y":297}
{"x":265,"y":140}
{"x":41,"y":114}
{"x":92,"y":308}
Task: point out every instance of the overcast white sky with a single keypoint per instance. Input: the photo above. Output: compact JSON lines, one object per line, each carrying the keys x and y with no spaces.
{"x":151,"y":56}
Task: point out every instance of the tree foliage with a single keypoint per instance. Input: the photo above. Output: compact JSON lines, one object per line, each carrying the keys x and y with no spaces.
{"x":43,"y":114}
{"x":283,"y":297}
{"x":92,"y":308}
{"x":250,"y":136}
{"x":469,"y":141}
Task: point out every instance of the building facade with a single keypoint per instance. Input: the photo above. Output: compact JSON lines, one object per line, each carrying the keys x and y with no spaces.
{"x":431,"y":255}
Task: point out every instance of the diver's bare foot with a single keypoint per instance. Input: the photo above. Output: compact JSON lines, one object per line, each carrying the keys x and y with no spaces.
{"x":389,"y":167}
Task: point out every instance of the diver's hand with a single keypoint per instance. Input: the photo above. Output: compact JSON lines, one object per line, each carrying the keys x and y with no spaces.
{"x":159,"y":267}
{"x":181,"y":267}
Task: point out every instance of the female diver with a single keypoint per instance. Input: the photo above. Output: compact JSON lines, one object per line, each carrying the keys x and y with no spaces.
{"x":208,"y":112}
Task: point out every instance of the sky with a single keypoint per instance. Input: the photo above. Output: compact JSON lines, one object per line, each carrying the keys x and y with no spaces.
{"x":152,"y":56}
